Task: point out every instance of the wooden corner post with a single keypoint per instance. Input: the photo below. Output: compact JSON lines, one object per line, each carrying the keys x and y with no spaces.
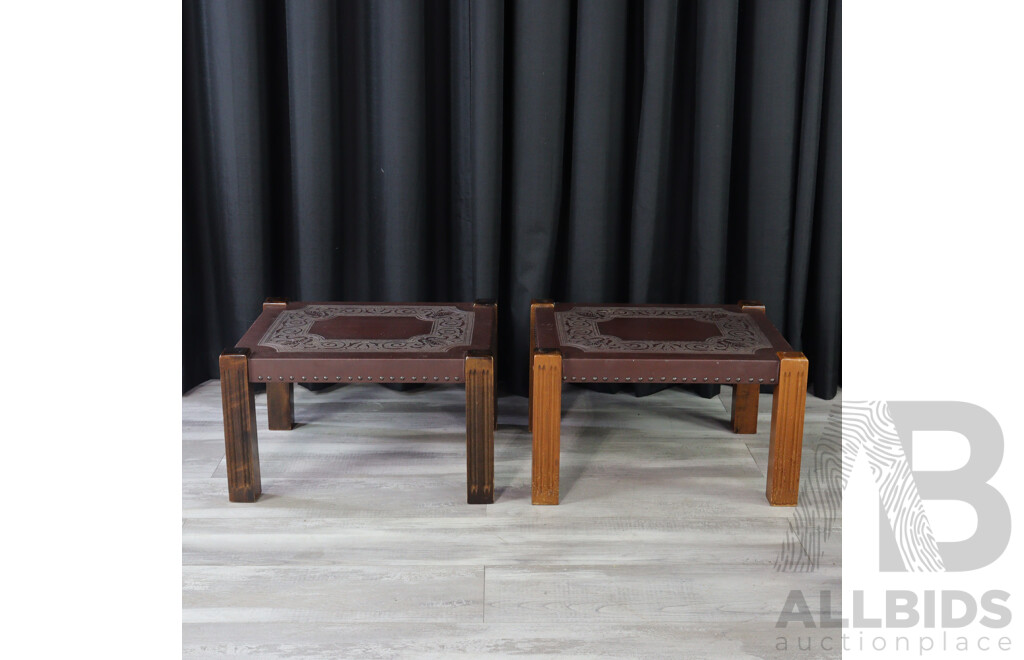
{"x":744,"y":397}
{"x":243,"y":457}
{"x":480,"y":414}
{"x":534,"y":304}
{"x":788,"y":402}
{"x":494,"y":348}
{"x":546,"y":400}
{"x":280,"y":396}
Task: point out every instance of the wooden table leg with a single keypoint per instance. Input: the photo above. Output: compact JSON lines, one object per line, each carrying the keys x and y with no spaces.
{"x":480,"y":414}
{"x":534,"y":304}
{"x":281,"y":406}
{"x":744,"y":408}
{"x":243,"y":456}
{"x":547,"y":412}
{"x":744,"y":397}
{"x":787,"y":437}
{"x":494,"y":347}
{"x":533,"y":349}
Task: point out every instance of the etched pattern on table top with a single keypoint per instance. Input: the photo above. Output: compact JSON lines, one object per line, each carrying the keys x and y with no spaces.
{"x":291,"y":331}
{"x":739,"y":333}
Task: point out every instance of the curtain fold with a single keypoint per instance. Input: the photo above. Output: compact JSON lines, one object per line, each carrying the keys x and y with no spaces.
{"x":587,"y":150}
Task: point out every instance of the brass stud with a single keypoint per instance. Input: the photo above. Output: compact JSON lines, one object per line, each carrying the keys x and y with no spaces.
{"x":314,"y":378}
{"x":435,"y":377}
{"x":381,"y":377}
{"x":716,"y":380}
{"x":280,"y":377}
{"x":456,"y":378}
{"x":359,"y":377}
{"x":259,"y":377}
{"x":350,"y":377}
{"x":605,"y":378}
{"x":291,"y":377}
{"x":751,"y":380}
{"x":413,"y":378}
{"x":705,"y":379}
{"x":675,"y":378}
{"x":627,"y":380}
{"x":447,"y":378}
{"x":391,"y":377}
{"x":565,"y":378}
{"x":760,"y":380}
{"x":727,"y":379}
{"x":616,"y":380}
{"x":303,"y":378}
{"x":663,"y":378}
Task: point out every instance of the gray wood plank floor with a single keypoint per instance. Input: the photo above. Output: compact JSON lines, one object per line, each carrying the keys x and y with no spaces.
{"x":362,"y":544}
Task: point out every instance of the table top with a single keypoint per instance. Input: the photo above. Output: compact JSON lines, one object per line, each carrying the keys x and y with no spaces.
{"x":375,"y":340}
{"x":694,"y":343}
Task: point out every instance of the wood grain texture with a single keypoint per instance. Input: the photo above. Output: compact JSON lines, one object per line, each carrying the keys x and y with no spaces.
{"x":493,"y":351}
{"x":331,"y":593}
{"x":635,"y":592}
{"x":744,"y":408}
{"x":280,"y":406}
{"x":494,"y":539}
{"x":534,"y":304}
{"x":545,"y":641}
{"x":745,"y":397}
{"x":547,"y":420}
{"x":784,"y":450}
{"x":280,"y":396}
{"x":480,"y":413}
{"x":243,"y":458}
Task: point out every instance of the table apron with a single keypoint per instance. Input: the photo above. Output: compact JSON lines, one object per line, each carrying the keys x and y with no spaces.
{"x":392,"y":370}
{"x":721,"y":372}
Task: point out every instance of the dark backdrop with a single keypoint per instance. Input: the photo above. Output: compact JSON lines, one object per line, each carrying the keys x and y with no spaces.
{"x":590,"y":150}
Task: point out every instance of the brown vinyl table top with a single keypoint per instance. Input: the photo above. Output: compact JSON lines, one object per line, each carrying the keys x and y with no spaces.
{"x":722,"y":344}
{"x":382,"y":342}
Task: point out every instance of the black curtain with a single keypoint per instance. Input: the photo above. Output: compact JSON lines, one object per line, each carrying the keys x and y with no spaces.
{"x":587,"y":150}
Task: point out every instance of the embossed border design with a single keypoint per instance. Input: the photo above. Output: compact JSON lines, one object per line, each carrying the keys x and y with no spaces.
{"x":741,"y":335}
{"x":290,"y":332}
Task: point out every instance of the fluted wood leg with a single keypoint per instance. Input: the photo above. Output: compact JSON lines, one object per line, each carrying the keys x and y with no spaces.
{"x":243,"y":458}
{"x":480,"y":414}
{"x":787,"y":437}
{"x":547,"y":420}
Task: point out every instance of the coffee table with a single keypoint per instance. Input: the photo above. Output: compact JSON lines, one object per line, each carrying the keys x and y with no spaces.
{"x":359,"y":344}
{"x":733,"y":345}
